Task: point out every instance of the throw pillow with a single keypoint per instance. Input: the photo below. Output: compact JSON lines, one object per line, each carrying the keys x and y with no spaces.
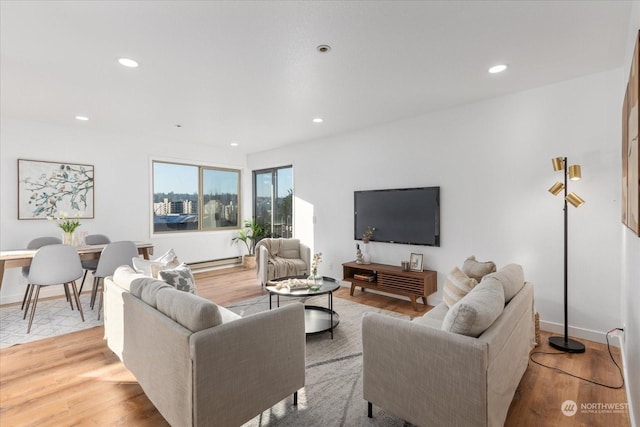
{"x":152,"y":267}
{"x":476,"y":269}
{"x":180,"y":278}
{"x":457,"y":286}
{"x":146,"y":267}
{"x":511,"y":277}
{"x":168,"y":259}
{"x":474,"y":313}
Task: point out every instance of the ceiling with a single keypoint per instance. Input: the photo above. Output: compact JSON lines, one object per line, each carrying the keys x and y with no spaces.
{"x":249,"y":72}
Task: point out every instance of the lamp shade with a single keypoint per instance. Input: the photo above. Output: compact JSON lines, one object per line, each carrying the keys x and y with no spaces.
{"x":556,"y":188}
{"x":575,"y":173}
{"x":575,"y":200}
{"x":558,"y":163}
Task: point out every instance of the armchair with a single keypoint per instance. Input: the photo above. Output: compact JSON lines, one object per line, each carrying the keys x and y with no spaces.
{"x":281,"y":257}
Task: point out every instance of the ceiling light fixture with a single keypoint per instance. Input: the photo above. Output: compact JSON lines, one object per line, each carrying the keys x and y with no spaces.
{"x":82,"y":118}
{"x":128,"y":62}
{"x":317,"y":120}
{"x":497,"y":69}
{"x":324,"y":48}
{"x":234,"y":144}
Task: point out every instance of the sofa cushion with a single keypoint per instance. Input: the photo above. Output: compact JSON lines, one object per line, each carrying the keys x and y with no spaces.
{"x":180,"y":278}
{"x":457,"y":286}
{"x":511,"y":277}
{"x":434,"y":317}
{"x":147,"y":288}
{"x":290,"y":248}
{"x":476,"y":269}
{"x":474,"y":313}
{"x":124,"y":275}
{"x":191,"y":311}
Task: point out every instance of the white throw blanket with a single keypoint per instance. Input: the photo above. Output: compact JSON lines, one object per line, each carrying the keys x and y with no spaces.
{"x":281,"y":266}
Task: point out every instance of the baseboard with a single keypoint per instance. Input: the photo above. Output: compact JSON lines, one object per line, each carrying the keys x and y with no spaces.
{"x":627,"y":381}
{"x":586,"y":334}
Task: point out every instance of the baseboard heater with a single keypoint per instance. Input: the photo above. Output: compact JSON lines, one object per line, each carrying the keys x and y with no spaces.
{"x":215,"y":263}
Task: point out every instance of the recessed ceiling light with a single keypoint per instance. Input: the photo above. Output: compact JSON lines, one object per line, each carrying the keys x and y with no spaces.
{"x":318,"y":120}
{"x":234,"y":144}
{"x":82,"y":118}
{"x":128,"y":62}
{"x":323,"y":48}
{"x":497,"y":68}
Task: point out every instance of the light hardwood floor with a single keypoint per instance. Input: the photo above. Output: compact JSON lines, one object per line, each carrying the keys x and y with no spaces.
{"x":76,"y":380}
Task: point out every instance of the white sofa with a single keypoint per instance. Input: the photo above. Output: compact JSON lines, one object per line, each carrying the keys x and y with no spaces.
{"x":198,"y":363}
{"x":281,"y":257}
{"x":434,"y":377}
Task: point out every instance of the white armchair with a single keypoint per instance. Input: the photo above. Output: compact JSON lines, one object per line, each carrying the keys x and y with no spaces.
{"x":281,"y":257}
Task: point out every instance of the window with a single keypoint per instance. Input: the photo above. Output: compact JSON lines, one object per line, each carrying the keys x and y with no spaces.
{"x":194,"y":198}
{"x":273,"y":200}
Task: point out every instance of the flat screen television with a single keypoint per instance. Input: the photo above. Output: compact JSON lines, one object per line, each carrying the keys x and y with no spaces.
{"x":403,"y":215}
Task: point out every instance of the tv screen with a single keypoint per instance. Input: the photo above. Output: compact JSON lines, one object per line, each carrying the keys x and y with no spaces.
{"x":404,"y":215}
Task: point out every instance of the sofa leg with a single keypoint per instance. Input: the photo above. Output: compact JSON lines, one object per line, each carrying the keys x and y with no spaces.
{"x":295,"y":398}
{"x":369,"y":410}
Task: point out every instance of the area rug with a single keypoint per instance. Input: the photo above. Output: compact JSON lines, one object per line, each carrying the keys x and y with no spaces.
{"x":53,"y":317}
{"x":332,"y":395}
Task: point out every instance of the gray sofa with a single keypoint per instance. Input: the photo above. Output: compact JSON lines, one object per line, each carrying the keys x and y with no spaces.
{"x":198,"y":363}
{"x":428,"y":375}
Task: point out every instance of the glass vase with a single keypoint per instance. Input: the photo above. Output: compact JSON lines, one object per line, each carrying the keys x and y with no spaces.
{"x":67,"y":238}
{"x":315,"y":281}
{"x":366,"y":256}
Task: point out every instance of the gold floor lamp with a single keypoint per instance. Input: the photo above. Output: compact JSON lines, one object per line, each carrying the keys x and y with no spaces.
{"x":573,"y":173}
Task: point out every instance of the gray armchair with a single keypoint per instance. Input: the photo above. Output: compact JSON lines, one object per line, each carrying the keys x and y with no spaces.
{"x":281,"y":257}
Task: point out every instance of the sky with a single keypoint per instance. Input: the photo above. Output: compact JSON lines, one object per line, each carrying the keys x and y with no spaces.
{"x":168,"y":177}
{"x":179,"y":178}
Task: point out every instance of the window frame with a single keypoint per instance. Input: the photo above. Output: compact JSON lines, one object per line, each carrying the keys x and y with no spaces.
{"x":201,"y":169}
{"x":274,"y":189}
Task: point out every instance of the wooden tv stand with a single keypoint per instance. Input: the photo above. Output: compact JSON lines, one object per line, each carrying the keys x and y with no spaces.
{"x":392,"y":279}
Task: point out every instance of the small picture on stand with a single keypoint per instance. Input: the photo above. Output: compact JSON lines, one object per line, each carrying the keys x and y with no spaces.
{"x":415,"y":262}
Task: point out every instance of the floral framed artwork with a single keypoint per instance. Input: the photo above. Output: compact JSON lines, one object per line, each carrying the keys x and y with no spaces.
{"x":415,"y":262}
{"x":48,"y":189}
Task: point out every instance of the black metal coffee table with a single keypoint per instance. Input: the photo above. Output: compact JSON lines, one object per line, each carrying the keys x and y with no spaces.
{"x":316,"y":319}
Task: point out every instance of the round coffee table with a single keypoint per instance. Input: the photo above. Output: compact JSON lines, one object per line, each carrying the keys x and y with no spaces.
{"x":316,"y":319}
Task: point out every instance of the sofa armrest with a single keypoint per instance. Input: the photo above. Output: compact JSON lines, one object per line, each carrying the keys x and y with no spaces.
{"x":421,"y":373}
{"x":246,"y":366}
{"x":263,"y":264}
{"x":113,"y":316}
{"x":305,"y":255}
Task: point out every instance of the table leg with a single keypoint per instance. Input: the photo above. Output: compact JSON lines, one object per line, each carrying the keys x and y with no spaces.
{"x":270,"y":295}
{"x":331,"y":311}
{"x":1,"y":272}
{"x":145,"y":252}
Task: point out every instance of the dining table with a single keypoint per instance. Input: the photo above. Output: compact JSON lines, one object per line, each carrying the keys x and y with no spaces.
{"x":22,"y":257}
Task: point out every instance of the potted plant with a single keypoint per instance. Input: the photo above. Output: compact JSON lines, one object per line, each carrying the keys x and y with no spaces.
{"x":249,"y":234}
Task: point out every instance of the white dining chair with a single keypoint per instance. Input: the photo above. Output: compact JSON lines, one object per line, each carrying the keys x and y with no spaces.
{"x":90,"y":265}
{"x":113,"y":256}
{"x":36,"y":243}
{"x":54,"y":265}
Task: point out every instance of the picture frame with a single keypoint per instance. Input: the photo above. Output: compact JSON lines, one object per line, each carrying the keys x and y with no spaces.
{"x":415,"y":262}
{"x":630,"y":201}
{"x":49,"y":189}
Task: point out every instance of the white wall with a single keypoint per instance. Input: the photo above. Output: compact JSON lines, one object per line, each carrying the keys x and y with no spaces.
{"x":631,"y":264}
{"x":492,"y":161}
{"x":122,"y":189}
